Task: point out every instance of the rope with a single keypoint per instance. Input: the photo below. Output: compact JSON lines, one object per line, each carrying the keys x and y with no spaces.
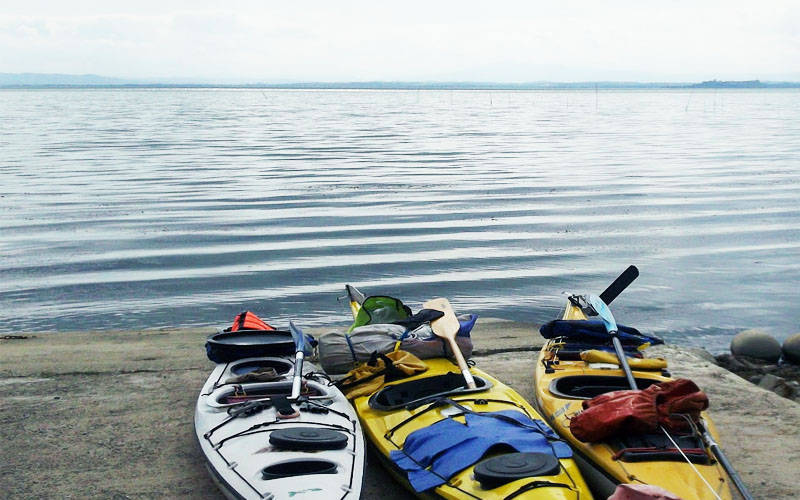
{"x":710,"y":488}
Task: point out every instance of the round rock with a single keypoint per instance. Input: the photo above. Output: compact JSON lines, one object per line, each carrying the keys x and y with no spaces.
{"x":791,"y":349}
{"x":756,"y":344}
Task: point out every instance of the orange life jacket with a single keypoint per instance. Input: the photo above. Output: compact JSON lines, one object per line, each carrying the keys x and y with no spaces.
{"x":246,"y":320}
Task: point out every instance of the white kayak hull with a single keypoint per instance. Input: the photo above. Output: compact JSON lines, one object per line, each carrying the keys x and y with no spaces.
{"x":243,"y":461}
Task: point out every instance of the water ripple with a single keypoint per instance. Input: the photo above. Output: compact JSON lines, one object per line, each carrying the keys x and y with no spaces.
{"x":139,"y":208}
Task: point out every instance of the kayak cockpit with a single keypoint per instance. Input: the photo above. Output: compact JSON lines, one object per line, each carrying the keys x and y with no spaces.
{"x":281,"y":366}
{"x":589,"y":386}
{"x":419,"y":390}
{"x":229,"y":395}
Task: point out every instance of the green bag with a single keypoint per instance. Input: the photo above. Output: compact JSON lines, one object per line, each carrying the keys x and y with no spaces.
{"x":380,"y":309}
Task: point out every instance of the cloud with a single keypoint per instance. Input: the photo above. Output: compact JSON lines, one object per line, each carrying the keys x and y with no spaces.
{"x":310,"y":40}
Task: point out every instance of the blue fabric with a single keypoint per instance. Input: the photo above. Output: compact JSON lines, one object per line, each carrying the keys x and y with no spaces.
{"x":432,"y":455}
{"x":465,"y":326}
{"x":350,"y":345}
{"x":310,"y":344}
{"x":595,"y":331}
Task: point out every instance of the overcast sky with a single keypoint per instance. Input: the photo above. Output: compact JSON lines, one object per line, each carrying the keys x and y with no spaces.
{"x":337,"y":40}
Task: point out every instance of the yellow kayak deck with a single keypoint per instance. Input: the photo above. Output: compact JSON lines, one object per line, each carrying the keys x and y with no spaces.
{"x":388,"y":430}
{"x":558,"y":399}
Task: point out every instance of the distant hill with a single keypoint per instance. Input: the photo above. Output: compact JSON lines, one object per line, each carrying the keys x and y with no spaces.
{"x":49,"y":80}
{"x":37,"y":79}
{"x":743,"y":84}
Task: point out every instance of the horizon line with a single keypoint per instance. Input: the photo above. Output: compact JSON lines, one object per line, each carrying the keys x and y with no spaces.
{"x":111,"y":82}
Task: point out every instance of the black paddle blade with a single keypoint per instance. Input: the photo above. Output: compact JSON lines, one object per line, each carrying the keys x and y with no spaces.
{"x":619,"y":284}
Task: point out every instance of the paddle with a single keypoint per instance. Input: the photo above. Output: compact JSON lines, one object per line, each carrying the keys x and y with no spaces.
{"x":601,"y":307}
{"x":300,"y":344}
{"x":447,"y":327}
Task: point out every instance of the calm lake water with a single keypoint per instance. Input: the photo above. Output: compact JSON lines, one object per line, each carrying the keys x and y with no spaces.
{"x":126,"y":209}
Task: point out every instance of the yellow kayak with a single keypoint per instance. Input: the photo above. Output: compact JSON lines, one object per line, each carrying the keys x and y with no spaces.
{"x":565,"y":378}
{"x":439,"y":398}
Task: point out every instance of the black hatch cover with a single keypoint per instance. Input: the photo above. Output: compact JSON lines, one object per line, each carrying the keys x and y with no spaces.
{"x":308,"y":439}
{"x":503,"y":469}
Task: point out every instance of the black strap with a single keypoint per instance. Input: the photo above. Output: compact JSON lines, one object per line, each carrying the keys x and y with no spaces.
{"x":423,"y":316}
{"x":536,"y":484}
{"x":439,"y":401}
{"x":283,"y":406}
{"x":249,"y":408}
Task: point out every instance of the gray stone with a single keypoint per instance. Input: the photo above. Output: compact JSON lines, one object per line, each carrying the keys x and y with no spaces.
{"x":756,"y":344}
{"x":770,"y":381}
{"x":750,"y":363}
{"x":791,"y":349}
{"x":730,"y":362}
{"x":785,"y":390}
{"x":779,"y":386}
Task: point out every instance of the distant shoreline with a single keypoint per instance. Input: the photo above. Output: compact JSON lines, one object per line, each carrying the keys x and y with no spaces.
{"x":29,"y":82}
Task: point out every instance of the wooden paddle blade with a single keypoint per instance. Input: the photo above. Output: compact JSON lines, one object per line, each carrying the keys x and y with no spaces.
{"x":447,"y":326}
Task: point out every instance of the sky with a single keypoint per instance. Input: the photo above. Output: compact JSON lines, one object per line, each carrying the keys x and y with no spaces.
{"x":338,"y":40}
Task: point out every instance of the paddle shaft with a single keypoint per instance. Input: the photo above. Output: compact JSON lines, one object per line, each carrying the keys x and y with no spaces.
{"x":723,"y":460}
{"x":297,"y":381}
{"x":462,"y":364}
{"x":300,"y":347}
{"x":623,"y":361}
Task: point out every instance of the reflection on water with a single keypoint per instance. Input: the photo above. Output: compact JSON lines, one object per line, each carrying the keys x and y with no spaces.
{"x":150,"y":208}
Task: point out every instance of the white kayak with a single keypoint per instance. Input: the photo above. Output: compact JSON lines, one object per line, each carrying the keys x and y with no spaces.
{"x":254,"y":452}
